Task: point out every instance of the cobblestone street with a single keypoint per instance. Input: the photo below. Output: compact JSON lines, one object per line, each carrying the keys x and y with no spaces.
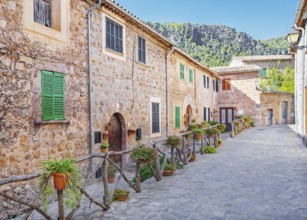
{"x":260,"y":174}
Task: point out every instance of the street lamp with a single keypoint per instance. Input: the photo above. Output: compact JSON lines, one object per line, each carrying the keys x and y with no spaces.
{"x":293,"y":37}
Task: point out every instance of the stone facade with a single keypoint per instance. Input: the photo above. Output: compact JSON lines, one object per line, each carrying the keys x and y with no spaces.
{"x":25,"y":139}
{"x":272,"y":103}
{"x":243,"y":95}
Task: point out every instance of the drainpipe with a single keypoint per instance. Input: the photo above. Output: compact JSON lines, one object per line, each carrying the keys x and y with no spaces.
{"x":89,"y":15}
{"x":166,"y":78}
{"x":301,"y":80}
{"x":295,"y":89}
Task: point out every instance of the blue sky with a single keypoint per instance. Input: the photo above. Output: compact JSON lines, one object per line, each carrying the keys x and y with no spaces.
{"x":262,"y":19}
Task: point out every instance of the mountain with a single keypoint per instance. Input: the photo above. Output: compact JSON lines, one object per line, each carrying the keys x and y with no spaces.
{"x":214,"y":45}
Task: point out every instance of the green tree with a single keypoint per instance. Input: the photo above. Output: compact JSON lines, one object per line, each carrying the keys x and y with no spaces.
{"x":288,"y":80}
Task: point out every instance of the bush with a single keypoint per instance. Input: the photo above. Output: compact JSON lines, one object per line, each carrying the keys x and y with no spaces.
{"x":198,"y":131}
{"x":212,"y":131}
{"x":192,"y":127}
{"x":219,"y":141}
{"x":209,"y":150}
{"x":221,"y":127}
{"x":142,"y":153}
{"x":205,"y":124}
{"x":173,"y":141}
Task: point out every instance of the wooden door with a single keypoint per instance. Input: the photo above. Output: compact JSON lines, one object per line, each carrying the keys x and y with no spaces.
{"x":115,"y":136}
{"x":284,"y":112}
{"x":270,"y":116}
{"x":226,"y":117}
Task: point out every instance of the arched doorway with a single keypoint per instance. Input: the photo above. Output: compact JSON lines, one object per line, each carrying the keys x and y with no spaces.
{"x":188,"y":116}
{"x":117,"y":135}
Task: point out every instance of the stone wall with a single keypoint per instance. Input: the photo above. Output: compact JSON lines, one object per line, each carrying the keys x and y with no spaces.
{"x":24,"y":54}
{"x":273,"y":100}
{"x":242,"y":95}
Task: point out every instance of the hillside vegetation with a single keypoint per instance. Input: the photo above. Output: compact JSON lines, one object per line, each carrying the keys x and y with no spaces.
{"x":214,"y":45}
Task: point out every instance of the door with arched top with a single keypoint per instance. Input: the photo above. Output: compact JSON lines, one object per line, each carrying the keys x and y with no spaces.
{"x":116,"y":135}
{"x":188,"y":116}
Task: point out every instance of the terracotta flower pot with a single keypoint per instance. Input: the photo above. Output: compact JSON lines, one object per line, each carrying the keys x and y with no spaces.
{"x":168,"y":172}
{"x":122,"y":197}
{"x":60,"y":181}
{"x":111,"y":179}
{"x":198,"y":137}
{"x":104,"y":150}
{"x":193,"y":157}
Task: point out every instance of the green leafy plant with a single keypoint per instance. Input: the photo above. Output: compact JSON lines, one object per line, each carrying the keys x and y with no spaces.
{"x":212,"y":123}
{"x":219,"y":141}
{"x":209,"y":150}
{"x":111,"y":170}
{"x":193,"y":120}
{"x":205,"y":124}
{"x":221,"y":127}
{"x":142,"y":153}
{"x":121,"y":192}
{"x":239,"y":116}
{"x":169,"y":166}
{"x":105,"y":145}
{"x":192,"y":127}
{"x":198,"y":131}
{"x":67,"y":167}
{"x":173,"y":141}
{"x":212,"y":131}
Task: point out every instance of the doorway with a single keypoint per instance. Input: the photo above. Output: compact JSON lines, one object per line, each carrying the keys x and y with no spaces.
{"x":188,"y":116}
{"x":284,"y":112}
{"x":270,"y":116}
{"x":226,"y":116}
{"x":117,"y":135}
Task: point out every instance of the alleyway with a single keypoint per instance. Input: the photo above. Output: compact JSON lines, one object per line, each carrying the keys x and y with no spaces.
{"x":261,"y":174}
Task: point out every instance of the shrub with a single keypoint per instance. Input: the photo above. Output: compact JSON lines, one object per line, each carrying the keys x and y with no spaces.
{"x":209,"y":150}
{"x":111,"y":170}
{"x":169,"y":166}
{"x":205,"y":124}
{"x":142,"y":153}
{"x":212,"y":131}
{"x":173,"y":141}
{"x":219,"y":141}
{"x":192,"y":127}
{"x":198,"y":131}
{"x":221,"y":127}
{"x":64,"y":166}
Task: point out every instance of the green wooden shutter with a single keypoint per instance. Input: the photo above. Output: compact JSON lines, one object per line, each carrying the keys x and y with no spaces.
{"x":190,"y":75}
{"x":47,"y":95}
{"x":58,"y":96}
{"x":263,"y":72}
{"x":181,"y":71}
{"x":177,"y":117}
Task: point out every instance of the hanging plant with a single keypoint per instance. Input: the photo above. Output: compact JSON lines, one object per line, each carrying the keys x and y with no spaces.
{"x":143,"y":154}
{"x":173,"y":141}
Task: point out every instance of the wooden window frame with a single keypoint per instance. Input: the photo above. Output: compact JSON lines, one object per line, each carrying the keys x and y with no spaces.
{"x":177,"y":117}
{"x":114,"y":36}
{"x":182,"y":71}
{"x":226,"y":84}
{"x":191,"y":73}
{"x":141,"y":50}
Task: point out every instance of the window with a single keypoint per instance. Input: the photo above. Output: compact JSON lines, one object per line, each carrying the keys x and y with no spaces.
{"x":177,"y":117}
{"x":155,"y":123}
{"x":217,"y":86}
{"x":226,"y":84}
{"x":208,"y":84}
{"x":205,"y":81}
{"x":142,"y":50}
{"x":114,"y":36}
{"x":42,"y":12}
{"x":52,"y":95}
{"x":191,"y":75}
{"x":181,"y":71}
{"x":213,"y":84}
{"x":207,"y":114}
{"x":263,"y":72}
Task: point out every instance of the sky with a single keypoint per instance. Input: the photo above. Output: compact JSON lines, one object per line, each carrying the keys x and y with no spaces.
{"x":261,"y":19}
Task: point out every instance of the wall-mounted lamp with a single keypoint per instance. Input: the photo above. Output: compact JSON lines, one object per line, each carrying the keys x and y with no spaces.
{"x":293,"y":38}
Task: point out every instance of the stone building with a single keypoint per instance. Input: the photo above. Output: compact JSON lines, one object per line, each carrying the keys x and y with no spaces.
{"x":240,"y":93}
{"x":141,"y":86}
{"x":298,"y":49}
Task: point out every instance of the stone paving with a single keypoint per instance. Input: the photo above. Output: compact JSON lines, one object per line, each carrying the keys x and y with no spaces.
{"x":260,"y":174}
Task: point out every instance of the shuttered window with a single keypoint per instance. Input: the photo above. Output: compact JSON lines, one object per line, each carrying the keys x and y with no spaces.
{"x":226,"y":84}
{"x":42,"y":12}
{"x":208,"y":83}
{"x":205,"y":81}
{"x":142,"y":50}
{"x":213,"y":84}
{"x":209,"y":113}
{"x":155,"y":117}
{"x":263,"y":72}
{"x":177,"y":117}
{"x":181,"y":71}
{"x":52,"y":95}
{"x":191,"y":75}
{"x":205,"y":114}
{"x":217,"y":86}
{"x":114,"y":36}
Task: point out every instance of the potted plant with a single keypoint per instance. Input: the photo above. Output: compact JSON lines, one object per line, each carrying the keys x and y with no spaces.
{"x":121,"y":194}
{"x":198,"y":134}
{"x":209,"y":150}
{"x":221,"y":127}
{"x":65,"y":176}
{"x":104,"y":147}
{"x":173,"y":141}
{"x":143,"y":154}
{"x":193,"y":157}
{"x":168,"y":169}
{"x":111,"y":173}
{"x":219,"y":141}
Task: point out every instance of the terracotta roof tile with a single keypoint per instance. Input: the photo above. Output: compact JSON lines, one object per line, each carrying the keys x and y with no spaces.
{"x":236,"y":69}
{"x":263,"y":57}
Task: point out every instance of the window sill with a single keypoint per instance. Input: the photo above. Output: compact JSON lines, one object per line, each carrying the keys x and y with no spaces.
{"x":115,"y":52}
{"x":141,"y":63}
{"x":39,"y":122}
{"x":153,"y":135}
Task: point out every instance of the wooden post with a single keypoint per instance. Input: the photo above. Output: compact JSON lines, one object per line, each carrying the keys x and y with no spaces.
{"x":138,"y":177}
{"x":61,"y":205}
{"x":104,"y":169}
{"x":232,"y":130}
{"x":158,"y":173}
{"x":173,"y":156}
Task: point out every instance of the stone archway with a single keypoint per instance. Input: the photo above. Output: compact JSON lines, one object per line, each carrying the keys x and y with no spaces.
{"x":188,"y":115}
{"x":117,"y":134}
